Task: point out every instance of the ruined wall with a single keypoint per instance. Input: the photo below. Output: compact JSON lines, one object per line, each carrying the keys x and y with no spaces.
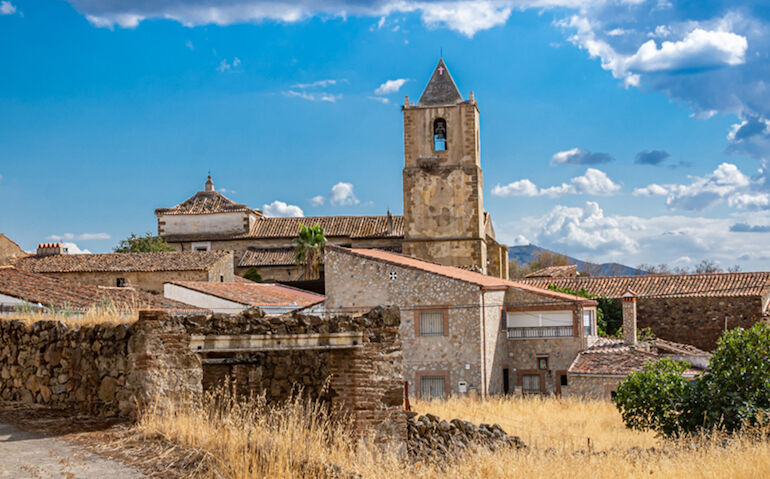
{"x":356,"y":282}
{"x":85,"y":369}
{"x":591,"y":387}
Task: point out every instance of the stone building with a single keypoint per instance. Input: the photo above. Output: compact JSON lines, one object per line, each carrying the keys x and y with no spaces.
{"x":463,"y":331}
{"x":444,"y":219}
{"x":22,"y":289}
{"x":9,"y":250}
{"x":230,"y":298}
{"x":146,"y":271}
{"x":686,"y":308}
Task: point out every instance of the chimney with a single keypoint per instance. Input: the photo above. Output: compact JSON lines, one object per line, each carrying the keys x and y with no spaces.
{"x":50,"y":249}
{"x":209,"y":184}
{"x":629,"y":318}
{"x":390,"y":223}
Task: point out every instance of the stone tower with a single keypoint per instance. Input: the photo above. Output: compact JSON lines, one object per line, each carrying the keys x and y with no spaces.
{"x":444,"y":217}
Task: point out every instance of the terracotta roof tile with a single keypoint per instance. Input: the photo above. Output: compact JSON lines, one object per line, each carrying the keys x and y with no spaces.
{"x":205,"y":203}
{"x":255,"y":294}
{"x":672,"y":285}
{"x":485,"y":281}
{"x":165,"y":261}
{"x":567,"y":271}
{"x":267,"y":257}
{"x":38,"y":288}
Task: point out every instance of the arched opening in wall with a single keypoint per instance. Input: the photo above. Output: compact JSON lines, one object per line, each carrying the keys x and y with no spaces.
{"x":439,"y":134}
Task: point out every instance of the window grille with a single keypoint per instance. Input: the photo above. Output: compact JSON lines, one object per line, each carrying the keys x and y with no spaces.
{"x":432,"y":387}
{"x":431,"y":323}
{"x":530,"y":383}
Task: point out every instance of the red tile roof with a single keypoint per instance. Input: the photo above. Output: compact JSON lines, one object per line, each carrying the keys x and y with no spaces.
{"x":614,"y":358}
{"x":38,"y":288}
{"x":485,"y":281}
{"x":567,"y":271}
{"x":165,"y":261}
{"x":267,"y":257}
{"x":669,"y":285}
{"x":255,"y":294}
{"x":205,"y":203}
{"x":333,"y":226}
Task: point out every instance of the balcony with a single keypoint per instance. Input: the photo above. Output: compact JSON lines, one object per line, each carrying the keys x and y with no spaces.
{"x":540,"y":332}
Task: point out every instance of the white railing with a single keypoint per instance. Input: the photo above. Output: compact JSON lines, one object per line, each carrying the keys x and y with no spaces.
{"x":540,"y":332}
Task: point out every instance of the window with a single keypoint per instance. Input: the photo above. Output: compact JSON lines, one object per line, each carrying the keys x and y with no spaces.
{"x":439,"y":134}
{"x":431,"y":323}
{"x":564,"y":380}
{"x":221,"y":278}
{"x":202,"y":246}
{"x":542,"y":363}
{"x":588,"y":322}
{"x":393,"y":275}
{"x":120,"y":282}
{"x":530,"y":384}
{"x":432,"y":387}
{"x":503,"y":320}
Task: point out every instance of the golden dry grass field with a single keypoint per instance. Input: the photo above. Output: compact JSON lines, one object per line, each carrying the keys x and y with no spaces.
{"x":258,"y":441}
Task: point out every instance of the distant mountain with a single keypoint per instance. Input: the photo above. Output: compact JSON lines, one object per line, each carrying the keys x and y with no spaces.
{"x":525,"y":254}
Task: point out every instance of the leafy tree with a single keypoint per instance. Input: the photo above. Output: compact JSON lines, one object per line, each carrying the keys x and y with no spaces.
{"x":308,"y":248}
{"x":142,"y":244}
{"x":253,"y":274}
{"x":651,"y":399}
{"x":707,"y":266}
{"x":542,"y":259}
{"x":734,"y":393}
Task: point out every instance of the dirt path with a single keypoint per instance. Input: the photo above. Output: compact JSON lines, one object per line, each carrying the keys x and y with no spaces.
{"x":32,"y":455}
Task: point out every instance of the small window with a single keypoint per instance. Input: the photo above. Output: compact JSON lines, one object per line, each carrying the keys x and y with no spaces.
{"x":564,"y":380}
{"x":431,"y":323}
{"x":542,"y":363}
{"x":120,"y":282}
{"x":588,"y":322}
{"x":439,"y":134}
{"x":503,"y":319}
{"x":432,"y":387}
{"x":530,"y":384}
{"x":393,"y":275}
{"x":221,"y":278}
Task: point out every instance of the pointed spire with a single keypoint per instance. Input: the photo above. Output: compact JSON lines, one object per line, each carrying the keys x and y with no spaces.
{"x":441,"y":89}
{"x":209,"y":184}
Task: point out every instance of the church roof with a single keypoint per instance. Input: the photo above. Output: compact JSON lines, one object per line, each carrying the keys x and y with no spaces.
{"x":441,"y":89}
{"x":206,"y":202}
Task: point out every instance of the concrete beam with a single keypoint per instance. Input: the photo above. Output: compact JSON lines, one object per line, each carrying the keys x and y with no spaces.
{"x":267,"y":342}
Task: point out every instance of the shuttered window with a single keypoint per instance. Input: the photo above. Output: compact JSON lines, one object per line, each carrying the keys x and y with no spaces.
{"x":431,"y":323}
{"x":530,"y":383}
{"x":432,"y":387}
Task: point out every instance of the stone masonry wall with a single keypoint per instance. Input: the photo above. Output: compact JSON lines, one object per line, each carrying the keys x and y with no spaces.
{"x":591,"y":387}
{"x":148,"y":281}
{"x":697,"y":321}
{"x":85,"y":369}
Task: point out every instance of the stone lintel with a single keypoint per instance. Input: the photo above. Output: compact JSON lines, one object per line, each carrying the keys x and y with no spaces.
{"x":282,"y":342}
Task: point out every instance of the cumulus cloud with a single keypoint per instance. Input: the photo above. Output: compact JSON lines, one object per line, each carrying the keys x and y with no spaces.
{"x":652,"y":157}
{"x":593,"y":182}
{"x":315,"y":91}
{"x":698,"y":49}
{"x":72,"y":248}
{"x":225,"y":66}
{"x":651,"y":190}
{"x":7,"y":8}
{"x":317,"y":200}
{"x":390,"y":86}
{"x":746,"y":228}
{"x":342,"y":195}
{"x":313,"y":96}
{"x":279,"y":208}
{"x":80,"y":237}
{"x":578,"y":156}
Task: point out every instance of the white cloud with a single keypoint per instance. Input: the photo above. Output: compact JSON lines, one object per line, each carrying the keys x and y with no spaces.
{"x":342,"y":195}
{"x":313,"y":96}
{"x":578,"y":156}
{"x":317,"y":200}
{"x":466,"y":17}
{"x":749,"y":200}
{"x":189,"y":45}
{"x":315,"y":84}
{"x":698,"y":49}
{"x":7,"y":8}
{"x":390,"y":86}
{"x":80,"y":237}
{"x":594,"y":182}
{"x":225,"y":66}
{"x":279,"y":208}
{"x":651,"y":190}
{"x":72,"y":248}
{"x":705,"y":191}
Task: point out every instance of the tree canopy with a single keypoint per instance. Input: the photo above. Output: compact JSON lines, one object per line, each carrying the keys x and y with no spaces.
{"x":142,"y":244}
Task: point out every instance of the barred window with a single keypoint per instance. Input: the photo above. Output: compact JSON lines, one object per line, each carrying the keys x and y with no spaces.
{"x":432,"y":387}
{"x":431,"y":323}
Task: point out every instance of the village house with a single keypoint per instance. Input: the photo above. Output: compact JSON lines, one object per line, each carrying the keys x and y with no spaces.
{"x":33,"y":291}
{"x":463,"y":331}
{"x":686,"y":308}
{"x":146,"y":271}
{"x":444,"y":219}
{"x":598,"y":370}
{"x":272,"y":298}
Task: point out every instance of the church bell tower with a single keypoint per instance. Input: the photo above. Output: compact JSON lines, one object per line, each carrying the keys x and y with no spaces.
{"x":443,"y":198}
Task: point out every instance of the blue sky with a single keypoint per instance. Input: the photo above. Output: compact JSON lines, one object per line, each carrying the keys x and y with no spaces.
{"x":627,"y":130}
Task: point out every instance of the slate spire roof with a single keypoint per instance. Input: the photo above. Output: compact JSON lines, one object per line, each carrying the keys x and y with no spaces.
{"x":441,"y":89}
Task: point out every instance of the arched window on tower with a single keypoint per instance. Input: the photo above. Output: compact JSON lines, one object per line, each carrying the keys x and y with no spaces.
{"x":439,"y":134}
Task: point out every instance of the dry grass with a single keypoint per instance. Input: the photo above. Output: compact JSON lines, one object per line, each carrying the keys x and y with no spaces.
{"x":255,"y":440}
{"x":107,"y":313}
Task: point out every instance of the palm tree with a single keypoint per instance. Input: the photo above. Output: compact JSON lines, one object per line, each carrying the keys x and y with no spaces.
{"x":308,"y":249}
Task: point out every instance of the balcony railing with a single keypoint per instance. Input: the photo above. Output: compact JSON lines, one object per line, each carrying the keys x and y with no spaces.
{"x":540,"y":332}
